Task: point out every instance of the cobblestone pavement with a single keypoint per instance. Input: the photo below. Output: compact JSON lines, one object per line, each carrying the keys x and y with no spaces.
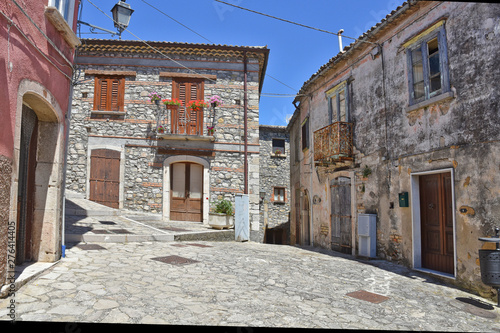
{"x":243,"y":284}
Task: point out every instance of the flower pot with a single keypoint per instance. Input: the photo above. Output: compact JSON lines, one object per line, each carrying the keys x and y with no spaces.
{"x":221,"y":221}
{"x":172,"y":107}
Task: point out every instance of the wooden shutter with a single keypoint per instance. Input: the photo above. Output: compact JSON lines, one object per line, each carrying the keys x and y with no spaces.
{"x":186,"y":91}
{"x":109,"y":94}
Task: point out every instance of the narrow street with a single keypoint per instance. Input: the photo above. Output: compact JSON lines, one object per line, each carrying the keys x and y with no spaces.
{"x":243,"y":284}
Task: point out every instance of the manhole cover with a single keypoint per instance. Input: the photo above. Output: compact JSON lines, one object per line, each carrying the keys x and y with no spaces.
{"x":199,"y":245}
{"x":175,"y":260}
{"x":90,"y":247}
{"x":100,"y":231}
{"x":107,"y":222}
{"x":173,"y":229}
{"x":120,"y":231}
{"x":179,"y":245}
{"x":368,"y":296}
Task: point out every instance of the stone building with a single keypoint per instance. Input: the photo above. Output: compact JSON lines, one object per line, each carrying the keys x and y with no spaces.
{"x":412,"y":137}
{"x":275,"y":183}
{"x":37,"y":44}
{"x":128,"y":152}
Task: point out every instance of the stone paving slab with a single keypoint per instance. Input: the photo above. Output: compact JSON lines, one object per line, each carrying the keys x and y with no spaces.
{"x":243,"y":284}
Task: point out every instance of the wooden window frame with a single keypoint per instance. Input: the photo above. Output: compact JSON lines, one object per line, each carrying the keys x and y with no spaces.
{"x":120,"y":94}
{"x":305,"y":134}
{"x":333,"y":97}
{"x":283,"y":188}
{"x":422,"y":45}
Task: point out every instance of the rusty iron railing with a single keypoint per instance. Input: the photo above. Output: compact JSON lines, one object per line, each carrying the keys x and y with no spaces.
{"x":180,"y":120}
{"x":333,"y":142}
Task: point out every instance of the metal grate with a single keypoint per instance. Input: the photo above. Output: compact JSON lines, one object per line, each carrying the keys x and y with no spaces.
{"x":107,"y":222}
{"x":175,"y":260}
{"x":90,"y":247}
{"x":120,"y":231}
{"x":368,"y":296}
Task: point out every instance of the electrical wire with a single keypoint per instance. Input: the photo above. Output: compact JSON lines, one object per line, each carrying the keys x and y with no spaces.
{"x":147,"y":3}
{"x":291,"y":22}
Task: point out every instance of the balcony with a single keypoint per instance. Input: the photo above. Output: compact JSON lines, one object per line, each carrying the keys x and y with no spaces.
{"x":333,"y":143}
{"x":183,"y":123}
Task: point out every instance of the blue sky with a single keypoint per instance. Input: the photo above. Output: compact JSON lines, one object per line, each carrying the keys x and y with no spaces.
{"x":295,"y":52}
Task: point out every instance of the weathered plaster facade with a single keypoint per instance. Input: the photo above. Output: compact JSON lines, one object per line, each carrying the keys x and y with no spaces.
{"x":275,"y":183}
{"x":145,"y":156}
{"x":37,"y":46}
{"x":398,"y":144}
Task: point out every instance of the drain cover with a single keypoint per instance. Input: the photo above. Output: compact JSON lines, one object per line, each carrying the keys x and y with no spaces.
{"x":175,"y":260}
{"x":179,"y":245}
{"x":100,"y":231}
{"x":368,"y":296}
{"x":90,"y":247}
{"x":107,"y":222}
{"x":120,"y":231}
{"x":199,"y":245}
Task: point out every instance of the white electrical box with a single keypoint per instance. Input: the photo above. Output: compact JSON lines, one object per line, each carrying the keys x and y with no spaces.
{"x":367,"y":235}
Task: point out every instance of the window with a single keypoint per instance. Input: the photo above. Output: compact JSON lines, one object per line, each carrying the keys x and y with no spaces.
{"x":66,"y":8}
{"x":279,"y":194}
{"x":305,"y":134}
{"x":109,"y":93}
{"x":185,"y":120}
{"x":428,"y":66}
{"x":278,"y":146}
{"x":338,"y":105}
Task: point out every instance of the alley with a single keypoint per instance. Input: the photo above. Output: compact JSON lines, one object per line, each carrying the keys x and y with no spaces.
{"x":243,"y":284}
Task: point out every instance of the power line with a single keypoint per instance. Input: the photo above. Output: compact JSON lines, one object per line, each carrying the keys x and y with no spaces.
{"x":291,"y":22}
{"x":147,"y":3}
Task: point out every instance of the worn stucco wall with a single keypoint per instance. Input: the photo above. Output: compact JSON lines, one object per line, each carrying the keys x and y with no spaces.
{"x":460,"y":134}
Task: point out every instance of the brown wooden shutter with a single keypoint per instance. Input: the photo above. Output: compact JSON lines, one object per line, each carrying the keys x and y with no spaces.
{"x":109,"y":94}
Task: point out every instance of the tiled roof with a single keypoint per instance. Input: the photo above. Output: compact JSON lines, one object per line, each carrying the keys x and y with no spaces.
{"x":360,"y":40}
{"x":130,"y":46}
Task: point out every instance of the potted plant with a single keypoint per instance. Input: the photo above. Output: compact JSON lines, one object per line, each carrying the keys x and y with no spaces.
{"x":154,"y":97}
{"x":210,"y":130}
{"x":197,"y":105}
{"x":277,"y":152}
{"x":215,"y":100}
{"x":160,"y":129}
{"x":222,"y":215}
{"x":172,"y":103}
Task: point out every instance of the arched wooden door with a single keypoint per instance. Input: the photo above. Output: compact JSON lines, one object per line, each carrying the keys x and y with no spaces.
{"x":26,"y":185}
{"x":186,"y":192}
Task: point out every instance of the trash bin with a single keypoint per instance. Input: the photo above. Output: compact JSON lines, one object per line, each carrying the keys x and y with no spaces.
{"x":489,"y":261}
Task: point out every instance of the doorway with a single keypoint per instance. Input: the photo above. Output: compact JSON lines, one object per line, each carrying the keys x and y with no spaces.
{"x":26,"y":185}
{"x":186,"y":192}
{"x":104,"y":180}
{"x":341,"y":226}
{"x":434,"y":221}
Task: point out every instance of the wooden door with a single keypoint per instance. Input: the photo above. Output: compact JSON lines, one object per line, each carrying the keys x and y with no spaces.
{"x":297,"y":216}
{"x":186,"y":192}
{"x":306,"y":222}
{"x":341,"y":226}
{"x":26,"y":185}
{"x":188,"y":121}
{"x":437,"y":222}
{"x":105,"y":177}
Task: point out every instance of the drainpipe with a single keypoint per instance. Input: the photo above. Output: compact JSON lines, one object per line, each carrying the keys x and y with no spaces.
{"x":245,"y":123}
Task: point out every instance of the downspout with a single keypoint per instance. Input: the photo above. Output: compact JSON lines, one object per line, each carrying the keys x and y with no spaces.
{"x":245,"y":123}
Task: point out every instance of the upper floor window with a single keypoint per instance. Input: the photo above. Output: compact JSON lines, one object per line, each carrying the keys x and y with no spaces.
{"x":338,"y":103}
{"x":305,"y":134}
{"x":428,"y":66}
{"x":278,"y":146}
{"x":109,"y":94}
{"x":279,"y":194}
{"x":66,"y":8}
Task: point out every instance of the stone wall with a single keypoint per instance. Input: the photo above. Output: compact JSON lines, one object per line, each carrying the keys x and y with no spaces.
{"x":274,"y":172}
{"x":5,"y":183}
{"x":143,"y":153}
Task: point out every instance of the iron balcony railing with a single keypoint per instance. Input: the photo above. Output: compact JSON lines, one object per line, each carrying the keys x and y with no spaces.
{"x":180,"y":120}
{"x":333,"y":142}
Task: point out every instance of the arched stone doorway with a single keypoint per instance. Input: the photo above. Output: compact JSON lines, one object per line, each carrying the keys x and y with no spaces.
{"x":36,"y":197}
